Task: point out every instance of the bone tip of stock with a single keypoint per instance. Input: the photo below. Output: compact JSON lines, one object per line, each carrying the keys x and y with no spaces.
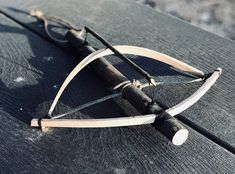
{"x":180,"y":137}
{"x":220,"y":70}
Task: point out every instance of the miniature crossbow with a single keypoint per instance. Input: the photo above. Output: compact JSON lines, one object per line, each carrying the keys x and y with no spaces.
{"x":131,"y":90}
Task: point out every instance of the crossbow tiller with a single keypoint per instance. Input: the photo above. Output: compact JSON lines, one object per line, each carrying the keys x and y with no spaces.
{"x":131,"y":90}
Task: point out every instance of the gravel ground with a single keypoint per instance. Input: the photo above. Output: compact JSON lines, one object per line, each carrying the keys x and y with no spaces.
{"x":216,"y":16}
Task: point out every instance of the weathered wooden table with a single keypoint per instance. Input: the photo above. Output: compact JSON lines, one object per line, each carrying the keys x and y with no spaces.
{"x":32,"y":68}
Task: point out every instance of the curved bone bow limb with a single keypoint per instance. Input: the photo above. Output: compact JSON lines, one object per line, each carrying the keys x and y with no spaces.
{"x":139,"y":51}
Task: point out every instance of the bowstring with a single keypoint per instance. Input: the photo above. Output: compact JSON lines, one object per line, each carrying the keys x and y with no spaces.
{"x":87,"y":105}
{"x":145,"y":85}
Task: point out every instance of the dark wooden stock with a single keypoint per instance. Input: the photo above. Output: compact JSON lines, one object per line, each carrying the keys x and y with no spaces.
{"x":142,"y":102}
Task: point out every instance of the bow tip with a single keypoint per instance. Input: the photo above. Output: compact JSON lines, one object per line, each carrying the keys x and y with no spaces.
{"x":220,"y":70}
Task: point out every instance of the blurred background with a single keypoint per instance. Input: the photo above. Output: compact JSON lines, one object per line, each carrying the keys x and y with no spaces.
{"x":216,"y":16}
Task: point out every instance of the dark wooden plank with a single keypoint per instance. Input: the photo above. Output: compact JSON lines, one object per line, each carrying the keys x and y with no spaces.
{"x":139,"y":149}
{"x":126,"y":22}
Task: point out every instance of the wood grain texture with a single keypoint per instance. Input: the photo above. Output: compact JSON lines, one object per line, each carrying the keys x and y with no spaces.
{"x":125,"y":22}
{"x":30,"y":70}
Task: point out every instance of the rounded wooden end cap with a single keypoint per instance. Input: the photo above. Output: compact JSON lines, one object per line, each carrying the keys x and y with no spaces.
{"x":180,"y":137}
